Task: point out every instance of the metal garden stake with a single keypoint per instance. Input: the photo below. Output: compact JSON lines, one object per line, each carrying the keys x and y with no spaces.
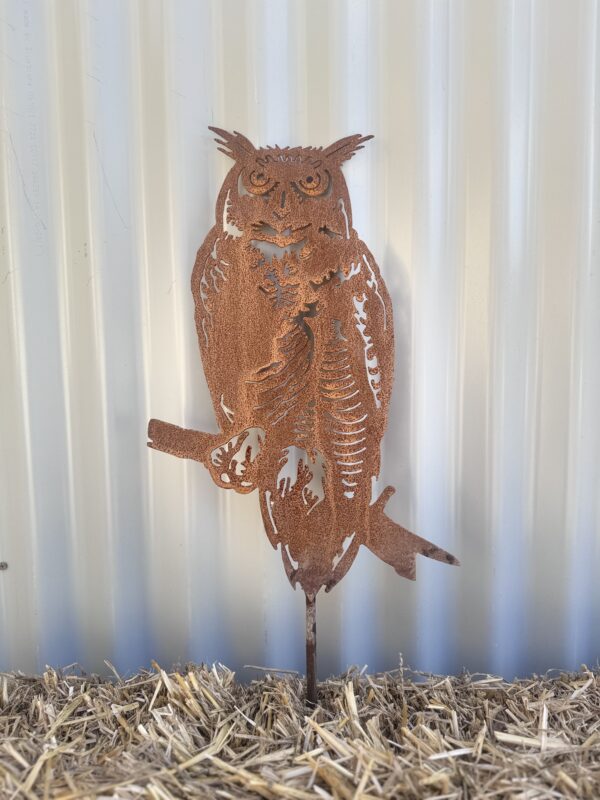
{"x":295,"y":329}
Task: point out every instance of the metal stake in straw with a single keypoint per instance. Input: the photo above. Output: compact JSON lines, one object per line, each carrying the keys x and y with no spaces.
{"x":311,"y":649}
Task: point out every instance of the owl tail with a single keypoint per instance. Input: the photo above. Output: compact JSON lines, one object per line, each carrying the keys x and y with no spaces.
{"x":395,"y":545}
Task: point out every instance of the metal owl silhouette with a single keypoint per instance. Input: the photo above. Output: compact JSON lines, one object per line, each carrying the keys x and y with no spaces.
{"x":295,"y":329}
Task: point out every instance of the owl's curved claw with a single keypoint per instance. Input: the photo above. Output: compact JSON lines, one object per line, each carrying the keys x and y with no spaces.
{"x":208,"y":449}
{"x":232,"y":464}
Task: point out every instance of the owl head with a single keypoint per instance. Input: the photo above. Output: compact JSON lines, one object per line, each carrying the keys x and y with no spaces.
{"x":287,"y":197}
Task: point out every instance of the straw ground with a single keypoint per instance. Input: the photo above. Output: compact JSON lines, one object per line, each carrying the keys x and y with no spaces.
{"x":200,"y":733}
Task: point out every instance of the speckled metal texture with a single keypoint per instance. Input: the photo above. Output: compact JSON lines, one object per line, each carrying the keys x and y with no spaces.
{"x":295,"y":328}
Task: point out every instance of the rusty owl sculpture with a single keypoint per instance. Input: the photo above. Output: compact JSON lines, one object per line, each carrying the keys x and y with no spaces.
{"x":295,"y":329}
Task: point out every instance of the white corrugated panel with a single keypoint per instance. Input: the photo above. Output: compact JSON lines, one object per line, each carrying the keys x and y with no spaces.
{"x":480,"y":198}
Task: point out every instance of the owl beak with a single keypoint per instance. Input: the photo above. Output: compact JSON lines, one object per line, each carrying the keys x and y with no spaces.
{"x":280,"y":235}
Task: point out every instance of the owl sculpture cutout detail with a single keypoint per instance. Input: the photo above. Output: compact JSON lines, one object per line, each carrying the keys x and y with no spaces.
{"x":295,"y":329}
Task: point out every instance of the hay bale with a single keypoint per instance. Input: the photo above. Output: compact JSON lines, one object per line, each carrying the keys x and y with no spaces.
{"x":199,"y":733}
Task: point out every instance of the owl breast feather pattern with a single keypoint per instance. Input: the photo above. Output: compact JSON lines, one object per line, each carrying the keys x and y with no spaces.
{"x":295,"y":329}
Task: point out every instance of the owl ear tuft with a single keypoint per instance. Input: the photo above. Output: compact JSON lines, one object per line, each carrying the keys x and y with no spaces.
{"x":235,"y":145}
{"x":344,"y":149}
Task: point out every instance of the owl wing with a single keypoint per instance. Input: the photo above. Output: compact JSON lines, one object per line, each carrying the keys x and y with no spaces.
{"x":373,"y":328}
{"x":386,"y":539}
{"x":214,"y":314}
{"x":208,"y":279}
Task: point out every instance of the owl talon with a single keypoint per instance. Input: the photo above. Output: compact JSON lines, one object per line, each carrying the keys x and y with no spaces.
{"x":239,"y":454}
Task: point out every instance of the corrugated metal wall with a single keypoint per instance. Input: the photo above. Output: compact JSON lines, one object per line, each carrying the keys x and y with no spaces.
{"x":480,"y":198}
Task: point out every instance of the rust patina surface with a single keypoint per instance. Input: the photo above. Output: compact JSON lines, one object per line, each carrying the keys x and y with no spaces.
{"x":295,"y":329}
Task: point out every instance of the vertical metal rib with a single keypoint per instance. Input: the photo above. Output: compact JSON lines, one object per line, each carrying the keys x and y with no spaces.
{"x":436,"y":265}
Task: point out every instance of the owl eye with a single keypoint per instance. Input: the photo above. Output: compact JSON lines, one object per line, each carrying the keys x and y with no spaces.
{"x":258,"y":182}
{"x":314,"y":183}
